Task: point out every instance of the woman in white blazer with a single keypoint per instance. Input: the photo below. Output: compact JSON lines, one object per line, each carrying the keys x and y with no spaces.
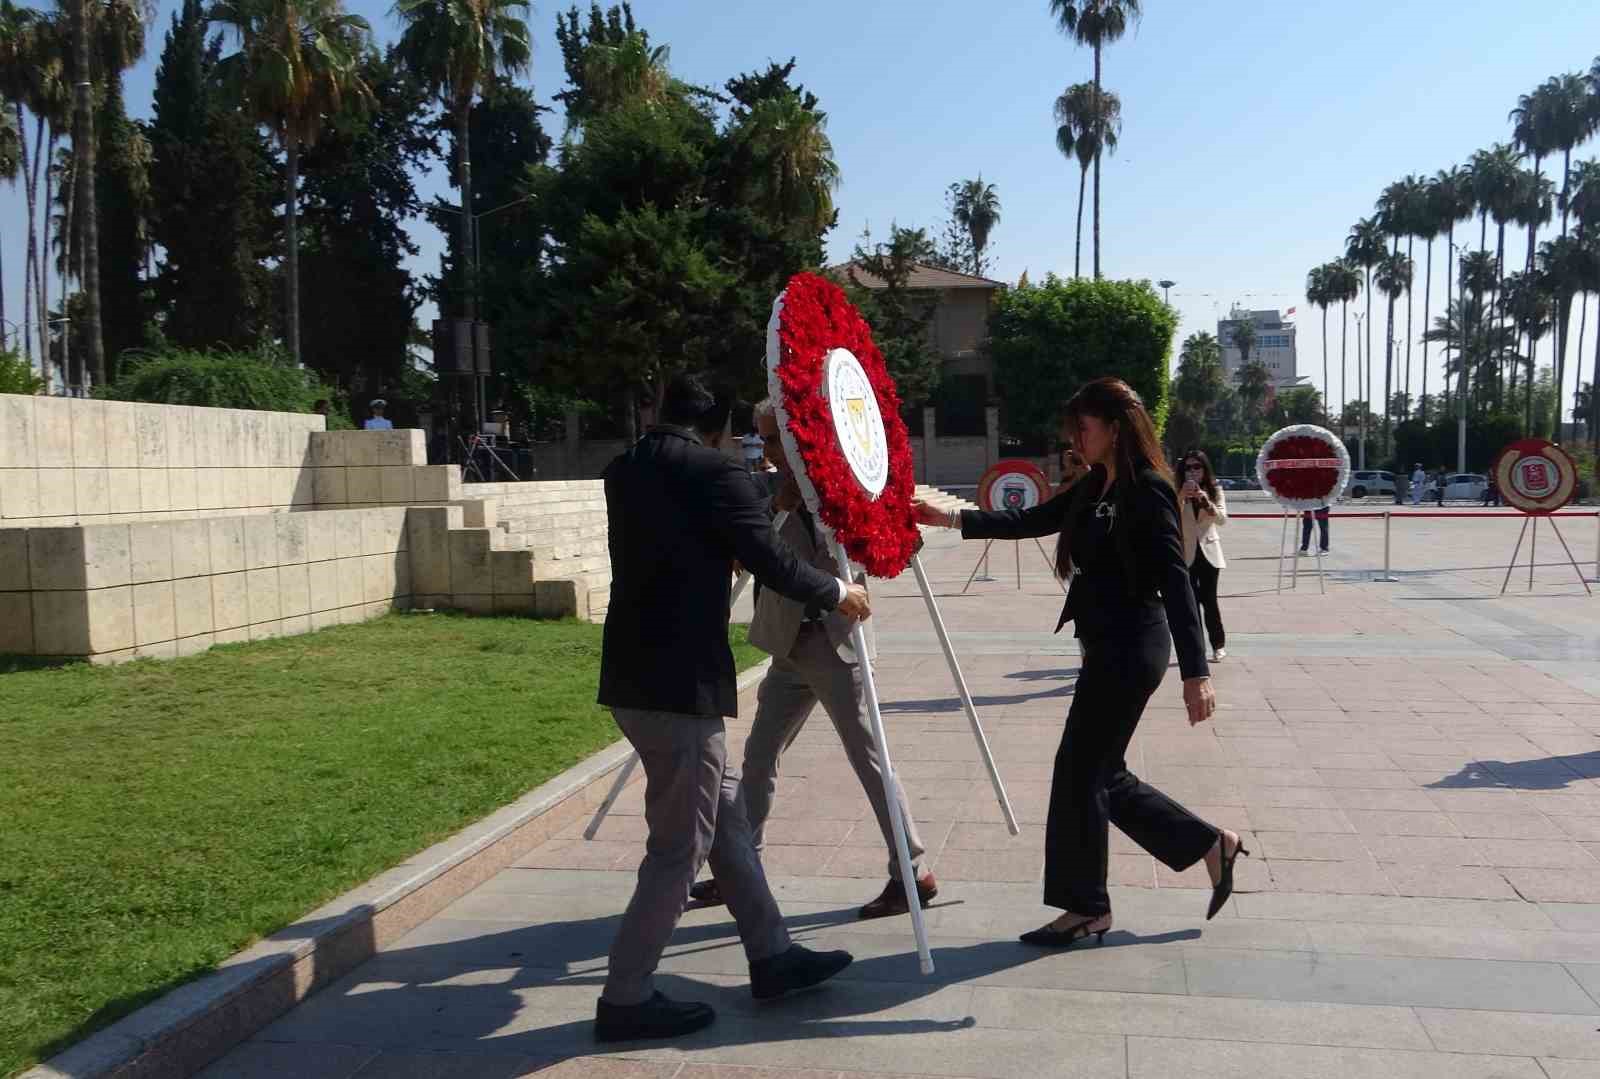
{"x":1205,"y":510}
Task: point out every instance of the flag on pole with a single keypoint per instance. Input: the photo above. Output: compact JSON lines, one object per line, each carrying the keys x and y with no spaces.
{"x":1289,"y":312}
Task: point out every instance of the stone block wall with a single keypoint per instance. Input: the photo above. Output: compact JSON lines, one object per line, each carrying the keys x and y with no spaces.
{"x":67,"y":461}
{"x":175,"y":587}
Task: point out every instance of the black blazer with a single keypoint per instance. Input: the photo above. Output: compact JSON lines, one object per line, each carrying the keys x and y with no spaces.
{"x":678,"y":514}
{"x":1153,"y":580}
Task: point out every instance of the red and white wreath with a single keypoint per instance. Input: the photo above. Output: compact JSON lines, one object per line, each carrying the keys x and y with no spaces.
{"x":1304,"y":467}
{"x":812,"y":324}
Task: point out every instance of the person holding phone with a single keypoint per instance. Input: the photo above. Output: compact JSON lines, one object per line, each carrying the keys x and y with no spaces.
{"x":1205,"y":510}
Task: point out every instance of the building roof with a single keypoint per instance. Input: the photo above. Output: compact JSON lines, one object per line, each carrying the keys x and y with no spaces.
{"x":922,"y":276}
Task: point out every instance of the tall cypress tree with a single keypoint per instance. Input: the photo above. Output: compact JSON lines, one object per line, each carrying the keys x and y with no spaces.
{"x":213,"y":194}
{"x":122,"y":187}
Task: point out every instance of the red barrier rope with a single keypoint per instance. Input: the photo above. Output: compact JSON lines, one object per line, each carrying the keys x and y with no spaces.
{"x":1512,"y":516}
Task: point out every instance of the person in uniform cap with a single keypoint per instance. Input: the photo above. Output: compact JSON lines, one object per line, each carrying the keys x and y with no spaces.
{"x":376,"y":421}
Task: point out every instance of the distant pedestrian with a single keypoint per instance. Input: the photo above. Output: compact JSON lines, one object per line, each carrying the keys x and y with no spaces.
{"x":376,"y":421}
{"x":1321,"y":517}
{"x":1419,"y":482}
{"x":1204,"y":508}
{"x":1491,"y":493}
{"x":1440,"y":481}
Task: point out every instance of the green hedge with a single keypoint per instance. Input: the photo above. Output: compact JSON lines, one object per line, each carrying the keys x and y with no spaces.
{"x":1048,"y":340}
{"x":16,"y":376}
{"x":253,"y":380}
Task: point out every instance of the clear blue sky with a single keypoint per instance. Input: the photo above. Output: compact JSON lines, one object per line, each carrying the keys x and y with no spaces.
{"x":1254,"y":134}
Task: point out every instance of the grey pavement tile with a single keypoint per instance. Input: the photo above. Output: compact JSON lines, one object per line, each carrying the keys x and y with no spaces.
{"x":1408,"y":800}
{"x":1570,"y":1069}
{"x":587,"y":1067}
{"x":1380,"y":822}
{"x":1289,"y":819}
{"x":446,"y":1066}
{"x":1556,"y":885}
{"x":1330,"y":878}
{"x":304,"y":1060}
{"x":1518,"y":825}
{"x":1512,"y":1033}
{"x":1311,"y":847}
{"x":1417,"y":982}
{"x":1443,"y":942}
{"x":902,"y":1048}
{"x":1448,"y":881}
{"x":1424,"y":850}
{"x":1162,"y":1016}
{"x":1163,"y":1058}
{"x":1536,"y":853}
{"x":1580,"y":917}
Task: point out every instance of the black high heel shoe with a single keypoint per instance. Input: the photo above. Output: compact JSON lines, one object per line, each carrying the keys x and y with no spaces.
{"x":1048,"y":937}
{"x":1223,"y":889}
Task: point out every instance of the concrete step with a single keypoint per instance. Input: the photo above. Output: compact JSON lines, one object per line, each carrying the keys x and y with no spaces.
{"x":545,"y":569}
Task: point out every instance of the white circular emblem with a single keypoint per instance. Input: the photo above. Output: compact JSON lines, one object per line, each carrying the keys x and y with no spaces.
{"x":857,"y":421}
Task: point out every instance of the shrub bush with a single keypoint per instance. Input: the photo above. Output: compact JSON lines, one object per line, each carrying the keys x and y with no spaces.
{"x":261,"y":380}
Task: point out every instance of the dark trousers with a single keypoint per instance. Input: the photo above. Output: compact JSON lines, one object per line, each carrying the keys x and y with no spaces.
{"x":1205,"y":577}
{"x":1092,"y":786}
{"x":1305,"y":528}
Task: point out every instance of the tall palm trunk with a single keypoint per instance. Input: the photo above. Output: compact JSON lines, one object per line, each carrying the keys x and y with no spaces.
{"x":1594,"y":394}
{"x":88,"y":219}
{"x":1499,"y":313}
{"x":291,"y":153}
{"x":1388,"y":383}
{"x":1427,"y":307}
{"x":1097,"y":152}
{"x":1410,"y":297}
{"x":1344,"y":370}
{"x":44,"y":266}
{"x":1367,"y":384}
{"x":30,"y":191}
{"x":1583,"y":326}
{"x":67,"y":221}
{"x":1077,"y":252}
{"x":1327,"y":386}
{"x":464,"y":171}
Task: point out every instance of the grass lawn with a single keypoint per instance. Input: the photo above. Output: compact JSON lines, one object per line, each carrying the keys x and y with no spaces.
{"x":159,"y":816}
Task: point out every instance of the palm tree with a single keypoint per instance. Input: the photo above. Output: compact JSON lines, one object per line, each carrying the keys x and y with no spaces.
{"x":1319,"y":293}
{"x":1534,"y":206}
{"x":1496,"y":177}
{"x":297,"y":67}
{"x":977,"y":208}
{"x":1415,"y":218}
{"x":1585,"y":203}
{"x":625,"y":72}
{"x":21,"y":68}
{"x":10,"y":168}
{"x":1394,"y":278}
{"x":793,"y":172}
{"x":1344,"y":284}
{"x":1531,"y":132}
{"x":1199,"y":383}
{"x":456,"y":47}
{"x":1095,"y":23}
{"x":1452,"y":202}
{"x":1528,"y":304}
{"x":1364,"y":247}
{"x":1087,"y":121}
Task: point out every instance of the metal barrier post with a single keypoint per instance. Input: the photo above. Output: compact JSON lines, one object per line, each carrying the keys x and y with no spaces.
{"x":1597,"y":547}
{"x":1387,"y":576}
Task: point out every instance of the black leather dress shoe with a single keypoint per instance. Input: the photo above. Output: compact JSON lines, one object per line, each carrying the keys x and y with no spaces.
{"x":797,"y":968}
{"x":657,"y":1017}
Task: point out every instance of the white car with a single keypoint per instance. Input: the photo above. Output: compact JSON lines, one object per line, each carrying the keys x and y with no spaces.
{"x":1465,"y":487}
{"x":1363,"y":484}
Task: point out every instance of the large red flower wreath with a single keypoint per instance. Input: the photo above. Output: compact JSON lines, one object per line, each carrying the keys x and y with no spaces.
{"x":810,"y":319}
{"x":1304,"y":467}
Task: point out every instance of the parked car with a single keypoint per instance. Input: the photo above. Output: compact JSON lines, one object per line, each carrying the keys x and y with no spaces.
{"x":1465,"y":486}
{"x":1363,"y":484}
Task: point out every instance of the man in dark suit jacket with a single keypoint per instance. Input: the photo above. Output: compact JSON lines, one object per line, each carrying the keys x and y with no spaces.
{"x":679,"y":513}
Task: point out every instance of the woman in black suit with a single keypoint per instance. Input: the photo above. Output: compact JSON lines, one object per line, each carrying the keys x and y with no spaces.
{"x":1131,"y":600}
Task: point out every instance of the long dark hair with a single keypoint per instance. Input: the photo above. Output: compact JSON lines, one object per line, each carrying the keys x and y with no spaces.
{"x":1208,"y":478}
{"x":1116,"y":404}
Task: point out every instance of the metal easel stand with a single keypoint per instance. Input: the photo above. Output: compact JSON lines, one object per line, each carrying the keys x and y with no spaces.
{"x":983,"y":563}
{"x":1533,"y":558}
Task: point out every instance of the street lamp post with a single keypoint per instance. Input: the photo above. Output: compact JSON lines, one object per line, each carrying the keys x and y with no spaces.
{"x":1461,"y":360}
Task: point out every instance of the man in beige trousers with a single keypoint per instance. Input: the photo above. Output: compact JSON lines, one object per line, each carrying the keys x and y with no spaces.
{"x":813,"y":661}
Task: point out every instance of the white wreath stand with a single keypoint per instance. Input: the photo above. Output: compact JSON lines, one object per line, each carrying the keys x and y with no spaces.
{"x":1291,"y":519}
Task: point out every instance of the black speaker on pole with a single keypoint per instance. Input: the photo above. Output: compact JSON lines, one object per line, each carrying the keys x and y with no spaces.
{"x":482,"y":337}
{"x":452,"y":346}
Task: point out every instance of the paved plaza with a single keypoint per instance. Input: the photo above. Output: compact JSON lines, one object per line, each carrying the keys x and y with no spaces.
{"x":1415,"y":765}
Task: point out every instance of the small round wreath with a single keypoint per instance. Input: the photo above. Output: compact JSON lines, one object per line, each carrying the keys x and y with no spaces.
{"x":810,"y":319}
{"x":1304,"y":467}
{"x":1534,"y":475}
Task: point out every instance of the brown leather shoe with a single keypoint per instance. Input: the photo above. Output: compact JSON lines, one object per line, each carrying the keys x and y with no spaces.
{"x":892,"y":900}
{"x":706,"y":893}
